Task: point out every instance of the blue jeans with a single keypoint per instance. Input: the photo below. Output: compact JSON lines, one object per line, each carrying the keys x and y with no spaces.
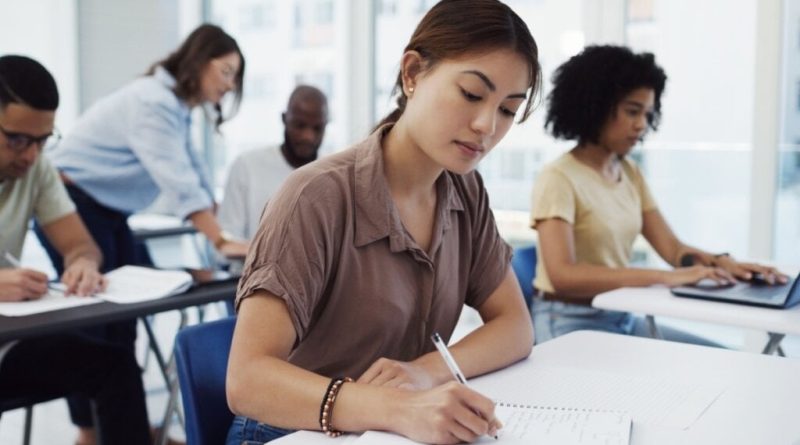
{"x":246,"y":431}
{"x":554,"y":318}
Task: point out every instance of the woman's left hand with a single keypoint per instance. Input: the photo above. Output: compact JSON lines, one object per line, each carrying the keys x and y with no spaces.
{"x":746,"y":271}
{"x":397,"y":374}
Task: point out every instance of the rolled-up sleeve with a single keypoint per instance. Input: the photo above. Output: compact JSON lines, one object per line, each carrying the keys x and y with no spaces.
{"x":160,"y":139}
{"x":553,"y":197}
{"x":491,"y":254}
{"x":52,"y":201}
{"x":291,"y":255}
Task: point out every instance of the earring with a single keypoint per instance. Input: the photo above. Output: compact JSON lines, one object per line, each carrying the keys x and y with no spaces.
{"x":410,"y":91}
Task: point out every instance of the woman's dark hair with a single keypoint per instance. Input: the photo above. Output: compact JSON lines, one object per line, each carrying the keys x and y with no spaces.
{"x":25,"y":81}
{"x":588,"y":87}
{"x":453,"y":28}
{"x":186,"y":64}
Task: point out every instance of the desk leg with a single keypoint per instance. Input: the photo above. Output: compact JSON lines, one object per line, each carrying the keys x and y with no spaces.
{"x":653,"y":328}
{"x":162,"y":364}
{"x":774,"y":344}
{"x":167,"y":368}
{"x":172,"y":408}
{"x":26,"y":439}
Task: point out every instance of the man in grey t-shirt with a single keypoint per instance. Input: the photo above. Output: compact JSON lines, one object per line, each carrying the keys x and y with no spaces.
{"x":43,"y":368}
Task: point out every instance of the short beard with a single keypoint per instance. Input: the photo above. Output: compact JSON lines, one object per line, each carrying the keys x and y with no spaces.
{"x":291,"y":155}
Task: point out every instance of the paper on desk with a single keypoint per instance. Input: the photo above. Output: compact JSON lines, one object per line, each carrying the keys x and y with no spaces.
{"x":53,"y":301}
{"x":304,"y":437}
{"x":128,"y":284}
{"x":652,"y":400}
{"x":133,"y":284}
{"x":525,"y":425}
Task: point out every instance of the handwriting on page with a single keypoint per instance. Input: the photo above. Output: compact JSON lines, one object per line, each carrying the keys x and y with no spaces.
{"x":562,"y":426}
{"x":650,"y":400}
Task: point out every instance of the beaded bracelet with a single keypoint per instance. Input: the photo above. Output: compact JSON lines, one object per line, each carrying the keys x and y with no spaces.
{"x":326,"y":409}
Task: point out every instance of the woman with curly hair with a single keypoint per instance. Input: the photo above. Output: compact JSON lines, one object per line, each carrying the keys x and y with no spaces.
{"x":591,"y":203}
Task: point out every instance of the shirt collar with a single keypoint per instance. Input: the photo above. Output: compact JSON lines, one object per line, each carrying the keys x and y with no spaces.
{"x":163,"y":76}
{"x":376,"y":216}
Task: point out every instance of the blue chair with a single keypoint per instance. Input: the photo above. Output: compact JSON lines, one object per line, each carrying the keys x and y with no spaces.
{"x":524,"y":264}
{"x":201,"y":356}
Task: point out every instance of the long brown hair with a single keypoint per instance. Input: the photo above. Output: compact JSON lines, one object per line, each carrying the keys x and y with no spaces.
{"x":186,"y":64}
{"x":453,"y":28}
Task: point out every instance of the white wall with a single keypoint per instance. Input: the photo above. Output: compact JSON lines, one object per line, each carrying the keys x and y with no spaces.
{"x":45,"y":30}
{"x":120,"y":39}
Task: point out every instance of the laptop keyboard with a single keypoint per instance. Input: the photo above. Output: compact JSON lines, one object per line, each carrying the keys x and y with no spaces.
{"x":758,"y":292}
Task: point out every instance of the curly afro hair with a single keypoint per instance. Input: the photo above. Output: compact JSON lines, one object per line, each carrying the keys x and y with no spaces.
{"x":588,"y":87}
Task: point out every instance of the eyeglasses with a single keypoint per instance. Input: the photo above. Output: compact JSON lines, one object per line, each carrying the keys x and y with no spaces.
{"x":20,"y":142}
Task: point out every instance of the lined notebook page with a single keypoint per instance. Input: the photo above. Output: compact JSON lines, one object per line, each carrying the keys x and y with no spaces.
{"x":658,"y":401}
{"x":531,"y":424}
{"x":539,"y":425}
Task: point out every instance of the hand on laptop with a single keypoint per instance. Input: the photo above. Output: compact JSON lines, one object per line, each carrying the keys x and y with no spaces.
{"x":692,"y":274}
{"x":753,"y":272}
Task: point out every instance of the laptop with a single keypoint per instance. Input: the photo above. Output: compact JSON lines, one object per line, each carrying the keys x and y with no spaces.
{"x":779,"y":296}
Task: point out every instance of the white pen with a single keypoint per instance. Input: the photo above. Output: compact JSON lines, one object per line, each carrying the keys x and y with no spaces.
{"x":450,"y":361}
{"x":11,"y":260}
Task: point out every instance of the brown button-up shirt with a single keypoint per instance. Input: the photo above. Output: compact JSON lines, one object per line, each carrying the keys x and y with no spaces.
{"x":331,"y":245}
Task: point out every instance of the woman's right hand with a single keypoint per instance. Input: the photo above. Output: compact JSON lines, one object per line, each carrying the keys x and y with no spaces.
{"x":690,"y":275}
{"x":447,"y":414}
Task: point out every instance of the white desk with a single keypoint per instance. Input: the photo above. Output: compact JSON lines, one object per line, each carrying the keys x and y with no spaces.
{"x":758,"y":406}
{"x":657,"y":300}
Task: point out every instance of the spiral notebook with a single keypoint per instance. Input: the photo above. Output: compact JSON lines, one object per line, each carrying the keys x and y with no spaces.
{"x":545,"y":425}
{"x":540,"y":425}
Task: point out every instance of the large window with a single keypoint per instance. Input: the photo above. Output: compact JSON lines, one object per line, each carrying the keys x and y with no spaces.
{"x":285,"y":43}
{"x":787,"y":204}
{"x":699,"y":162}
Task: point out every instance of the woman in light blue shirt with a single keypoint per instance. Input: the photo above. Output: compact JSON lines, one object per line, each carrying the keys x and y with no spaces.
{"x":135,"y":144}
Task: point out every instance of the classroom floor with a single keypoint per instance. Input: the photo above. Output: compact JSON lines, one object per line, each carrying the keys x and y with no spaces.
{"x":51,"y":425}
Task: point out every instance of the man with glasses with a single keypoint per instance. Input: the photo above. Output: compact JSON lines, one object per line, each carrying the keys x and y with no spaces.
{"x":257,"y":174}
{"x":49,"y":367}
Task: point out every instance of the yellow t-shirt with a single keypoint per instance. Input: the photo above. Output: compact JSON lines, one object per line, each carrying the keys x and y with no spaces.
{"x":606,"y":217}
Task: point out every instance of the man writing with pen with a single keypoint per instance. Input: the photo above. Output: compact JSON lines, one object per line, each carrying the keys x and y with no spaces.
{"x":29,"y":187}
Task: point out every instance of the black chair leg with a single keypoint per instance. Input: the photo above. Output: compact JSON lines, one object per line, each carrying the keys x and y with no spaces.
{"x":26,"y":439}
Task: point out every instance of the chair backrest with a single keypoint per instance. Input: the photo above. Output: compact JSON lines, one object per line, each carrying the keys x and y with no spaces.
{"x":524,"y":264}
{"x":201,"y":356}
